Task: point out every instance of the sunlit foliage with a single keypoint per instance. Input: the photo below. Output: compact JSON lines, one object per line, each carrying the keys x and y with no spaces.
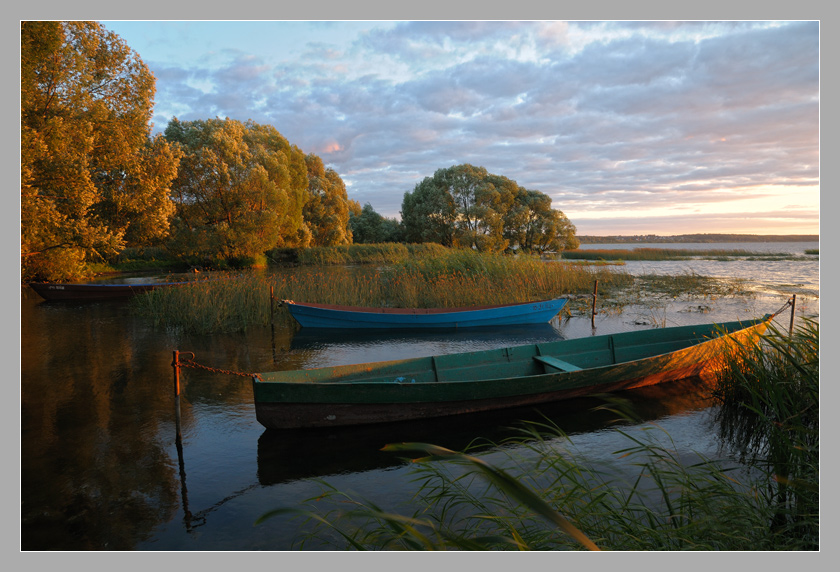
{"x":92,"y":178}
{"x":240,"y":190}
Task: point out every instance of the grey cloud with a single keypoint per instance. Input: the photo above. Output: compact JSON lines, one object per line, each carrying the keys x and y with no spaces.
{"x":650,"y":116}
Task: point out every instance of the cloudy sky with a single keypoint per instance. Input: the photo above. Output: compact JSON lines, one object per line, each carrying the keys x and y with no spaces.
{"x":630,"y":127}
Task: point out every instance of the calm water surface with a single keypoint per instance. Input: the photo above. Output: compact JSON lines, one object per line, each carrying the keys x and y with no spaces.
{"x":101,"y":468}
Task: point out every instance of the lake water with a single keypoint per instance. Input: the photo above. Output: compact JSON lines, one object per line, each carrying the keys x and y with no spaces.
{"x":101,"y":466}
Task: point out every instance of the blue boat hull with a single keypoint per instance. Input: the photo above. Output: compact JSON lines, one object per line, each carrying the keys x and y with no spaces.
{"x":323,"y":316}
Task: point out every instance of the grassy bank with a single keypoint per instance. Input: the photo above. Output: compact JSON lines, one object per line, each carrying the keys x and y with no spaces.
{"x":444,"y":279}
{"x":547,"y":495}
{"x":384,"y":253}
{"x":439,"y":278}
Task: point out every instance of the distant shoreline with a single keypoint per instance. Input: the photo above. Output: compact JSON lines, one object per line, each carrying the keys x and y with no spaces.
{"x":654,"y":238}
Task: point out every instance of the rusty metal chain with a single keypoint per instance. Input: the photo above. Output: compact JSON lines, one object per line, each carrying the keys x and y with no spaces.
{"x":788,"y":304}
{"x":193,"y":364}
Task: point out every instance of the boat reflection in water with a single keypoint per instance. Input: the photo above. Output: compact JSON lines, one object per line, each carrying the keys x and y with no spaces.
{"x":291,"y":454}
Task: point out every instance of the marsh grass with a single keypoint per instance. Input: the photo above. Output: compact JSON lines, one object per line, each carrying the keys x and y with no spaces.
{"x":228,"y":303}
{"x":465,"y":278}
{"x":769,"y":412}
{"x":384,"y":253}
{"x":545,"y":495}
{"x":446,"y":279}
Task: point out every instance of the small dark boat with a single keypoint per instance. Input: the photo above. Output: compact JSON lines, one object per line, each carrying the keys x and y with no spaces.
{"x":487,"y":380}
{"x":104,"y":291}
{"x":333,"y":316}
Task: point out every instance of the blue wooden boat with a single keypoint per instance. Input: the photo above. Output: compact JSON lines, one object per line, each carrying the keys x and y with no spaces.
{"x":333,"y":316}
{"x":438,"y":386}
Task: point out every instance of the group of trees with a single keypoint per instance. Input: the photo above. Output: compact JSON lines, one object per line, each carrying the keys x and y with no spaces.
{"x":94,"y":180}
{"x":92,"y":177}
{"x":243,"y":189}
{"x":465,"y":206}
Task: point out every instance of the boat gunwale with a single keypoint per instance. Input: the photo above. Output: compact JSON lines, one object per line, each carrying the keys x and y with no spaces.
{"x":714,"y":329}
{"x":303,"y":404}
{"x":414,"y":311}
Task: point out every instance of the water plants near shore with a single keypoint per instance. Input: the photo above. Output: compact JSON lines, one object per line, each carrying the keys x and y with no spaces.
{"x":447,"y":279}
{"x":659,"y":254}
{"x":440,"y":279}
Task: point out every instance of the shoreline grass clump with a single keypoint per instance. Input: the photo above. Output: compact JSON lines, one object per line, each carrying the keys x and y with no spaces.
{"x":769,"y":413}
{"x":382,"y":253}
{"x":542,"y":493}
{"x":448,"y":279}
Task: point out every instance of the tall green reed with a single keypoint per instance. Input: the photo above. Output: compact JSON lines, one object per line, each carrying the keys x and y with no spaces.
{"x":544,"y":494}
{"x":383,"y":253}
{"x":446,"y":279}
{"x":769,"y":412}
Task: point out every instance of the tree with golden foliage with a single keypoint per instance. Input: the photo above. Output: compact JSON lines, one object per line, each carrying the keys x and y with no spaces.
{"x":93,"y":179}
{"x":240,"y":190}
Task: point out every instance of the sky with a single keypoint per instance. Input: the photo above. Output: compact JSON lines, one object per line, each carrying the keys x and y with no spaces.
{"x":630,"y":127}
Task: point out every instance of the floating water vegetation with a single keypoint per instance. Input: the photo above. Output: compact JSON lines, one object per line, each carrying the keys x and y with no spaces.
{"x":651,"y":254}
{"x":655,"y":292}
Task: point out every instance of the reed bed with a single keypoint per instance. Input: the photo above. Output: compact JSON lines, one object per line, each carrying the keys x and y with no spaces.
{"x":466,"y":278}
{"x":644,"y":498}
{"x":384,"y":253}
{"x":226,"y":304}
{"x":769,"y":412}
{"x":447,"y":279}
{"x":544,"y":494}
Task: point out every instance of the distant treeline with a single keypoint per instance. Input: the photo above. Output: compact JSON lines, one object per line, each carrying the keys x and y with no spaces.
{"x":653,"y":238}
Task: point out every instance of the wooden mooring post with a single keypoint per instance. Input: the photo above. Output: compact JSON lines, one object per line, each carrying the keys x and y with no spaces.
{"x":594,"y":299}
{"x":271,"y":303}
{"x":179,"y":445}
{"x":792,"y":312}
{"x":176,"y":368}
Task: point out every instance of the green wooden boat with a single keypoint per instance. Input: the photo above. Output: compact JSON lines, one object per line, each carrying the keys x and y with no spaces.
{"x":525,"y":375}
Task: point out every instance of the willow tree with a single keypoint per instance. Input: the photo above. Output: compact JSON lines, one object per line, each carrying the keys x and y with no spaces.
{"x":92,"y":177}
{"x":327,"y":210}
{"x":370,"y":227}
{"x":429,"y":212}
{"x":240,"y":190}
{"x":468,"y":207}
{"x":533,"y":225}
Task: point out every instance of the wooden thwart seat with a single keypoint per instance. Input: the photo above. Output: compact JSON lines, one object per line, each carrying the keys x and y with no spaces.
{"x":554,"y":363}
